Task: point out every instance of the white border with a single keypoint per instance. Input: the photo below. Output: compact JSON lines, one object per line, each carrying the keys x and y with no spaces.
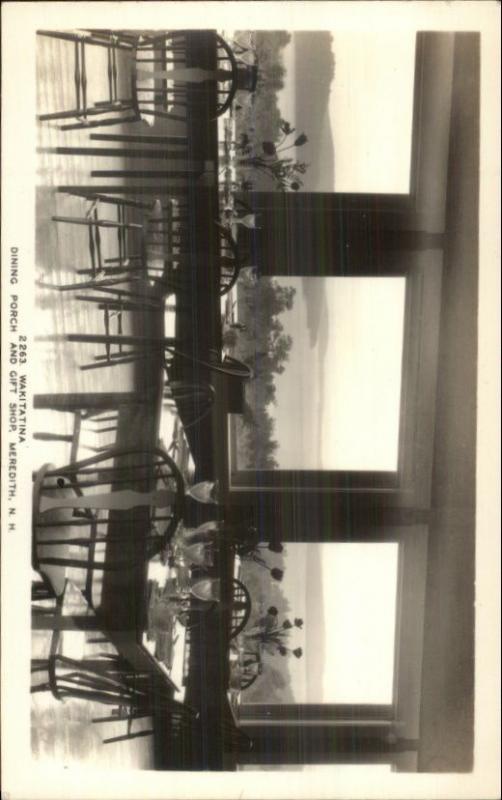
{"x":22,"y":778}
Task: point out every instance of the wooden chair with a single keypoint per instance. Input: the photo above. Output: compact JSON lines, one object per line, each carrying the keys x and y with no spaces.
{"x":158,"y":266}
{"x":166,"y":250}
{"x":44,"y":602}
{"x":223,"y":365}
{"x":95,"y":218}
{"x":104,"y":681}
{"x":113,"y":312}
{"x":58,"y":615}
{"x":240,"y":609}
{"x":145,"y":257}
{"x":115,"y":301}
{"x":98,"y":422}
{"x":171,"y":88}
{"x":113,"y":473}
{"x":251,"y":669}
{"x":191,"y":611}
{"x":158,"y":75}
{"x":41,"y":590}
{"x":154,"y":254}
{"x":181,"y":252}
{"x":191,"y":400}
{"x":230,"y":261}
{"x":114,"y":297}
{"x":109,"y":679}
{"x":171,"y":351}
{"x":84,"y":114}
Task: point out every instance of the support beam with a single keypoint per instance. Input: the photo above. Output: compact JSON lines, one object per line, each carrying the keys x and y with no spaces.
{"x":321,"y":744}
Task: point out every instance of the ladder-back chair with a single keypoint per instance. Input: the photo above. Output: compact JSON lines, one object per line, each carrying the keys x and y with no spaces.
{"x":157,"y":73}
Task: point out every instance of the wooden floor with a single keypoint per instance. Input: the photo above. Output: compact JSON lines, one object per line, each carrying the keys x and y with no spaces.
{"x":60,"y":248}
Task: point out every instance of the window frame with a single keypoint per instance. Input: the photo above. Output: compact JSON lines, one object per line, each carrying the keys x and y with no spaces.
{"x":401,"y":717}
{"x":410,"y":483}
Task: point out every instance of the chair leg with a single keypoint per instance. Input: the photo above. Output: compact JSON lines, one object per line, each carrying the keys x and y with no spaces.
{"x":130,"y":716}
{"x":74,"y":126}
{"x":39,"y":665}
{"x":81,"y":112}
{"x":79,"y":564}
{"x":109,"y":363}
{"x":93,"y":224}
{"x":41,"y":590}
{"x":41,"y":687}
{"x":137,"y":303}
{"x":124,"y":737}
{"x":53,"y":437}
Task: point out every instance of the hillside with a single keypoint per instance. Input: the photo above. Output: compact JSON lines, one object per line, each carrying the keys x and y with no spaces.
{"x":308,"y":54}
{"x":314,"y":74}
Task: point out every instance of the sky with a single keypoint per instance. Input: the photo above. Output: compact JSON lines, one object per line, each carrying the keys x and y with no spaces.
{"x":359,"y":588}
{"x":339,"y":409}
{"x":294,"y":586}
{"x":351,"y":622}
{"x":369,"y":109}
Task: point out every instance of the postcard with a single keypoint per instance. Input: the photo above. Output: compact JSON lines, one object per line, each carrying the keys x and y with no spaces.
{"x":250,"y":368}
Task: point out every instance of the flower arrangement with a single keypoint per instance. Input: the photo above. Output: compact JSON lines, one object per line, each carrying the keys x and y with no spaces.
{"x":268,"y":158}
{"x":272,"y":636}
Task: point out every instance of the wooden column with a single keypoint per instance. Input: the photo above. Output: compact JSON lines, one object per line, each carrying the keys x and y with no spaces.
{"x":321,"y":744}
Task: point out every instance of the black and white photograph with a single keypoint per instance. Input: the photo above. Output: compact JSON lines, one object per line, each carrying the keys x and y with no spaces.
{"x":241,"y":405}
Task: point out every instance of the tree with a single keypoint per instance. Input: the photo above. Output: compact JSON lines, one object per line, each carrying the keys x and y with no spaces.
{"x":264,"y":345}
{"x":273,"y":686}
{"x":261,"y":118}
{"x":274,"y":75}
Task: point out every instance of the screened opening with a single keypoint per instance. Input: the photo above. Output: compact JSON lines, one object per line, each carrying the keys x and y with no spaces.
{"x":360,"y":122}
{"x":327,"y":360}
{"x":348,"y":625}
